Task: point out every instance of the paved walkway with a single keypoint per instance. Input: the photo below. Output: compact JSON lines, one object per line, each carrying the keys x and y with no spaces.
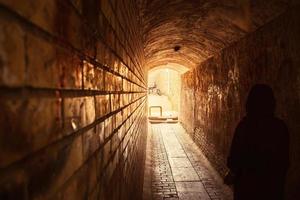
{"x":178,"y":169}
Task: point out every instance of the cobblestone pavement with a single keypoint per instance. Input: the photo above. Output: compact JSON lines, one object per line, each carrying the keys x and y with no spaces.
{"x":178,"y":168}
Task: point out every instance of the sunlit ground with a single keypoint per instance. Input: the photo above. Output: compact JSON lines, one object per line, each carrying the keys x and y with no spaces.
{"x":163,"y":101}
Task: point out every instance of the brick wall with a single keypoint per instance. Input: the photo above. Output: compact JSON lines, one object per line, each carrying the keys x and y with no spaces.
{"x":187,"y":101}
{"x":72,"y":100}
{"x":221,"y":85}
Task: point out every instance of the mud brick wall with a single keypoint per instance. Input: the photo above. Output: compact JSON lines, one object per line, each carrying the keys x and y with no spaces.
{"x":72,"y":100}
{"x":221,"y":84}
{"x":187,"y":101}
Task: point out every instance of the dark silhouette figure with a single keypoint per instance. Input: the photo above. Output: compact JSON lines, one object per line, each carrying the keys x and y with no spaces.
{"x":259,"y":156}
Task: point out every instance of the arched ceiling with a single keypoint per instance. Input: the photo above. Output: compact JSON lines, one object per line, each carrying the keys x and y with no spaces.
{"x":200,"y":28}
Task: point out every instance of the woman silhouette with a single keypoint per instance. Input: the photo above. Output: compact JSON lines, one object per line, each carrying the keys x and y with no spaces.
{"x":258,"y":156}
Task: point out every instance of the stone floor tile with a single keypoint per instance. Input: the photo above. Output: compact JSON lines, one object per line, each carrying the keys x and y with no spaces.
{"x":180,"y":162}
{"x":179,"y":169}
{"x":190,"y":186}
{"x":185,"y":174}
{"x":193,"y":196}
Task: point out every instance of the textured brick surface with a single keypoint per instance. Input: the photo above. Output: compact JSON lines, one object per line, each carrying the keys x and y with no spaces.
{"x":221,"y":85}
{"x":72,"y":104}
{"x":12,"y":46}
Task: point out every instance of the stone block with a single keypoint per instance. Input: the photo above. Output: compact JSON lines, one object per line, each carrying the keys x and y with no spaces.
{"x":49,"y":170}
{"x":90,"y":143}
{"x":88,"y":116}
{"x":100,"y":51}
{"x":106,"y":61}
{"x":119,"y":118}
{"x":114,"y":143}
{"x":109,"y":81}
{"x":108,"y":173}
{"x":130,"y":98}
{"x":106,"y":153}
{"x":115,"y":163}
{"x":116,"y":64}
{"x":43,"y":69}
{"x":119,"y":83}
{"x":99,"y":79}
{"x":92,"y":172}
{"x":76,"y":189}
{"x":88,"y":39}
{"x":122,"y":132}
{"x":43,"y":14}
{"x":113,"y":122}
{"x":125,"y":99}
{"x":108,"y":127}
{"x":73,"y":110}
{"x":71,"y":69}
{"x":115,"y":101}
{"x":89,"y":75}
{"x":78,"y":112}
{"x":102,"y":105}
{"x":27,"y":124}
{"x":70,"y":26}
{"x":125,"y":85}
{"x":100,"y":163}
{"x":100,"y":132}
{"x":121,"y":100}
{"x":123,"y":70}
{"x":12,"y":54}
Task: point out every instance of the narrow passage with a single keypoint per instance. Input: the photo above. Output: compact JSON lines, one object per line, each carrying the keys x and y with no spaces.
{"x":179,"y":170}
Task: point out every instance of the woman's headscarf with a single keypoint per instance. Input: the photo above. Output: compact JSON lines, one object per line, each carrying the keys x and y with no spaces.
{"x":261,"y":101}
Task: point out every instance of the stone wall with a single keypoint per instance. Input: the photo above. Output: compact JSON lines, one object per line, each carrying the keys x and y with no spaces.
{"x":187,"y":101}
{"x":221,"y":85}
{"x":72,"y":100}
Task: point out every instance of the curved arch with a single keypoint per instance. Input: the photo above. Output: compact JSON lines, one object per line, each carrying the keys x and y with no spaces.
{"x":200,"y":28}
{"x":174,"y":66}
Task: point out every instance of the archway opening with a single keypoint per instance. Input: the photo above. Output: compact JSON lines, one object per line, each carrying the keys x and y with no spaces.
{"x":164,"y":88}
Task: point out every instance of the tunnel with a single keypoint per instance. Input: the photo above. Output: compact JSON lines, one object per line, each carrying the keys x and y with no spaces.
{"x":139,"y":99}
